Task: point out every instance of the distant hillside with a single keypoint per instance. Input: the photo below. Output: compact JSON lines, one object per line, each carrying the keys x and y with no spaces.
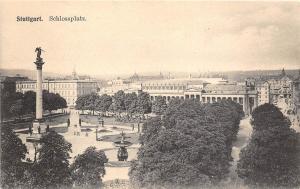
{"x":242,"y":75}
{"x":230,"y":75}
{"x":31,"y":74}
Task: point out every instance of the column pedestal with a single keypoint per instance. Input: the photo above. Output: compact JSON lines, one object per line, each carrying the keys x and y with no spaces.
{"x":38,"y":130}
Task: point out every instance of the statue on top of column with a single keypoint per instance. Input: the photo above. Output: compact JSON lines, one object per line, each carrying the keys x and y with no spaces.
{"x":39,"y":52}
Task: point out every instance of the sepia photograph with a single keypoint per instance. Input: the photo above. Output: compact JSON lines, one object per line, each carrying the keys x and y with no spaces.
{"x":149,"y":94}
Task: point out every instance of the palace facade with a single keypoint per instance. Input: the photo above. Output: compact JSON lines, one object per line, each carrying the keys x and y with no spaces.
{"x":68,"y":89}
{"x":203,"y":91}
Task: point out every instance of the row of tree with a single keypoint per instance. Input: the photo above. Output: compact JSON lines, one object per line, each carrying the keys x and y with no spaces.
{"x":272,"y":157}
{"x":52,"y":168}
{"x":120,"y":102}
{"x":190,"y":145}
{"x":18,"y":104}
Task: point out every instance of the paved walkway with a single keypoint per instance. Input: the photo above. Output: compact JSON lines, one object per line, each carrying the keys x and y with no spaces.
{"x":243,"y":137}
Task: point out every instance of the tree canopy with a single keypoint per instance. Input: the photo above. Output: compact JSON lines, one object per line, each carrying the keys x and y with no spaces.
{"x":13,"y":151}
{"x":120,"y":102}
{"x":17,"y":104}
{"x":271,"y":158}
{"x":130,"y":101}
{"x":104,"y":103}
{"x":186,"y":147}
{"x":53,"y":101}
{"x":17,"y":108}
{"x":88,"y":168}
{"x":159,"y":106}
{"x":52,"y":166}
{"x":29,"y":101}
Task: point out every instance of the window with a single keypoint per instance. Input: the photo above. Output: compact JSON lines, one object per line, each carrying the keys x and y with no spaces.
{"x":241,"y":100}
{"x":213,"y":99}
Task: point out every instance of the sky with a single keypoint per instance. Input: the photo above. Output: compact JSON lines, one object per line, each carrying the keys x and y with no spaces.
{"x":128,"y":37}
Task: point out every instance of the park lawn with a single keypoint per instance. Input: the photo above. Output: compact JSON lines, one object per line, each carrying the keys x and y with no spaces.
{"x":93,"y":119}
{"x":51,"y":121}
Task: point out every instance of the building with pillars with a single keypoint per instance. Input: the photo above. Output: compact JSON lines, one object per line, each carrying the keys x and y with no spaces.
{"x":68,"y":89}
{"x":202,"y":91}
{"x":237,"y":93}
{"x":206,"y":90}
{"x":174,"y":88}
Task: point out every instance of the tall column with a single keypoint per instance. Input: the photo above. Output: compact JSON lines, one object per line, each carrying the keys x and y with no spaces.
{"x":39,"y":91}
{"x":39,"y":126}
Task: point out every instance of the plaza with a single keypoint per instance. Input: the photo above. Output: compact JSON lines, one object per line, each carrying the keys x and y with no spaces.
{"x":80,"y":140}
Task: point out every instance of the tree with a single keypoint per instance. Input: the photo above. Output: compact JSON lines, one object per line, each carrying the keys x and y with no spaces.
{"x":52,"y":166}
{"x":53,"y":101}
{"x":88,"y":102}
{"x":29,"y":101}
{"x":186,"y":148}
{"x":88,"y":168}
{"x":91,"y":102}
{"x":228,"y":115}
{"x":80,"y":103}
{"x":272,"y":156}
{"x":17,"y":108}
{"x":61,"y":102}
{"x":151,"y":129}
{"x":119,"y":105}
{"x":130,"y":100}
{"x":159,"y":106}
{"x":143,"y":103}
{"x":104,"y":102}
{"x":13,"y":151}
{"x":49,"y":101}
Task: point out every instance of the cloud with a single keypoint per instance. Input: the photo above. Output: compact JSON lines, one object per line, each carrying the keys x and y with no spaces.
{"x":124,"y":37}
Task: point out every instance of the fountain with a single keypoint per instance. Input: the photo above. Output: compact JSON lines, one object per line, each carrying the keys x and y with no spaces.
{"x":122,"y":144}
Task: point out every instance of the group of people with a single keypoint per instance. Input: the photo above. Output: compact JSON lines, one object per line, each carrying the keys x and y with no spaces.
{"x":138,"y":126}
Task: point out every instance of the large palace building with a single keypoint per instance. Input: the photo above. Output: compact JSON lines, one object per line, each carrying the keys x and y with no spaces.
{"x":204,"y":91}
{"x":68,"y":89}
{"x":249,"y":94}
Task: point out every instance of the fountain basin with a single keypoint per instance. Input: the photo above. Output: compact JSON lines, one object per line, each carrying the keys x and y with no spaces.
{"x":122,"y":143}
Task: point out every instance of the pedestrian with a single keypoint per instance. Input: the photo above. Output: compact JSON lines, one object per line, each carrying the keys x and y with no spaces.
{"x":47,"y":129}
{"x":68,"y":122}
{"x":39,"y":130}
{"x":79,"y":122}
{"x":132,"y":125}
{"x":30,"y":130}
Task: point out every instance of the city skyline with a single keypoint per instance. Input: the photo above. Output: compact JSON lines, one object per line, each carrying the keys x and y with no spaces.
{"x":120,"y":38}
